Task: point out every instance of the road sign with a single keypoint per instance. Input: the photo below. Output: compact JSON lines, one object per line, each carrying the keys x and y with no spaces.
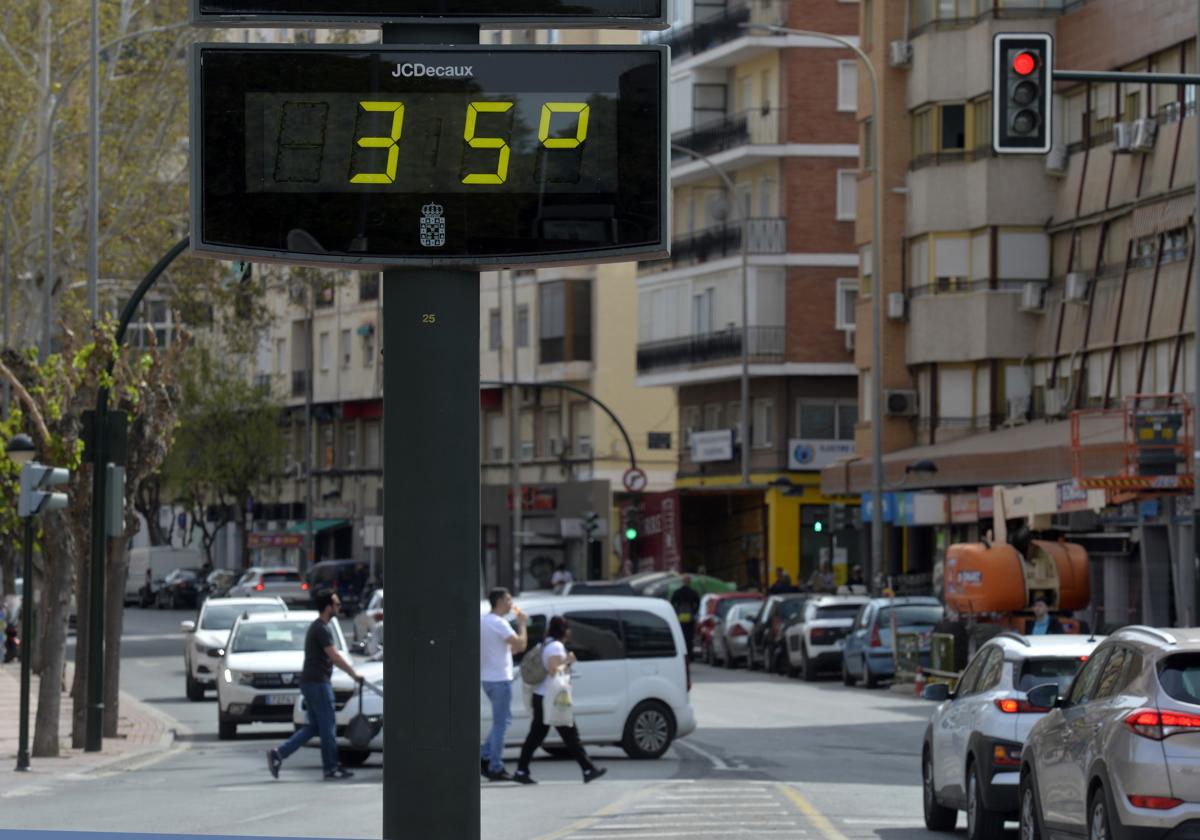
{"x":634,"y":479}
{"x":600,"y":14}
{"x":368,"y":157}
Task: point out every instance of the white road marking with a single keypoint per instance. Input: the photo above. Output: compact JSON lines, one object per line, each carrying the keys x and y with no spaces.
{"x":882,"y":821}
{"x":711,"y":832}
{"x":717,"y":762}
{"x":272,"y":814}
{"x":28,"y":790}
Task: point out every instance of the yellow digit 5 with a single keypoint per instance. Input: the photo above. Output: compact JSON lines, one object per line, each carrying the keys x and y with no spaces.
{"x":581,"y":129}
{"x":390,"y":143}
{"x":473,"y":112}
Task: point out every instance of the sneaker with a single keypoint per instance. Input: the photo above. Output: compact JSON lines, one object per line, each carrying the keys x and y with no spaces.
{"x":593,"y":774}
{"x":498,"y":776}
{"x":274,"y":762}
{"x":339,"y":774}
{"x":523,"y":779}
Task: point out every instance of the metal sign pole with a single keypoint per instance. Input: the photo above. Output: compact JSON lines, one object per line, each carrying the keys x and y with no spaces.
{"x":431,"y":537}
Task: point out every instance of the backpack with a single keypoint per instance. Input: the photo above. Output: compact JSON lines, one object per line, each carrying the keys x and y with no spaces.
{"x":533,"y":670}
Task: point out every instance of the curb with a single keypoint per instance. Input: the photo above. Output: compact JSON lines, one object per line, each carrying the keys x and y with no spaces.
{"x":168,"y":742}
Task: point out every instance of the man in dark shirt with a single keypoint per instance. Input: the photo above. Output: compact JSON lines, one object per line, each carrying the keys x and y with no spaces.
{"x":686,"y":602}
{"x":320,"y":655}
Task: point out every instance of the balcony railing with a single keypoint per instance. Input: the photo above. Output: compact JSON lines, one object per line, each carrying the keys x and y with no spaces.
{"x":766,"y":345}
{"x":756,"y":127}
{"x":936,"y":14}
{"x":722,"y":27}
{"x":767,"y":236}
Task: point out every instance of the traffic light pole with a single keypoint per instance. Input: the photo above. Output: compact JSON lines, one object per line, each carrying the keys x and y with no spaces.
{"x":26,"y":645}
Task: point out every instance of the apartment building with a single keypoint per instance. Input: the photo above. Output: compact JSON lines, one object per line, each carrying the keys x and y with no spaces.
{"x":776,"y":115}
{"x":1019,"y":290}
{"x":574,"y":327}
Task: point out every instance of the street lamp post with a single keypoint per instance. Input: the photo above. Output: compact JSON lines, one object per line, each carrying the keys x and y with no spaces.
{"x":744,"y":221}
{"x":876,"y":288}
{"x":20,"y":450}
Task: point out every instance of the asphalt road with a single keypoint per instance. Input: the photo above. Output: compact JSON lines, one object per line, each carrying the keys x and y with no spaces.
{"x":772,"y":757}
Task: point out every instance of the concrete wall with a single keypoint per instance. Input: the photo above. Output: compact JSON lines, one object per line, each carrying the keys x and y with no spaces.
{"x":969,"y":327}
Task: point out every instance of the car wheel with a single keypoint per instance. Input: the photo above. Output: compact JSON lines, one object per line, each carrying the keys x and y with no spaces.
{"x":353,"y":758}
{"x":982,"y":824}
{"x":226,"y":730}
{"x":1098,"y":827}
{"x":648,"y":731}
{"x":847,"y":678}
{"x":937,"y":816}
{"x":195,"y":691}
{"x":869,"y":679}
{"x":807,"y":671}
{"x":1029,"y":817}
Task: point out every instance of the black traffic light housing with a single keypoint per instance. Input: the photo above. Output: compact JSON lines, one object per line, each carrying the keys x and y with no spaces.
{"x":1022,"y":74}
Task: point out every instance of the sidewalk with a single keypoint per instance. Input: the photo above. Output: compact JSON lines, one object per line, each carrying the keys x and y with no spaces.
{"x":141,"y":731}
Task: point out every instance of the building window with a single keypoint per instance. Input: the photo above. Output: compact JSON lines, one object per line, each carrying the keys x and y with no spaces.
{"x":847,"y":195}
{"x":922,"y":128}
{"x":953,"y":128}
{"x":1175,"y":245}
{"x":327,"y":447}
{"x":565,"y":321}
{"x":712,"y":417}
{"x":345,"y":349}
{"x":981,"y":123}
{"x":702,"y":312}
{"x":847,"y":299}
{"x":373,"y":454}
{"x":326,"y":351}
{"x":690,"y":418}
{"x":552,"y":437}
{"x":523,"y":325}
{"x":581,"y":429}
{"x":847,"y":86}
{"x":281,"y":355}
{"x":826,"y":419}
{"x":733,"y":411}
{"x":763,"y":424}
{"x":526,"y":429}
{"x":493,"y":329}
{"x":368,"y":344}
{"x":368,"y":287}
{"x":495,"y":436}
{"x":349,"y":446}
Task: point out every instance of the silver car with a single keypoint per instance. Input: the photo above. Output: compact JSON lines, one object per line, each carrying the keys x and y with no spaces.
{"x":1119,"y":755}
{"x":731,"y":637}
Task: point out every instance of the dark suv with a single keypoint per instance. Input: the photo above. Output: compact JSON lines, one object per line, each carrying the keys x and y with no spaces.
{"x":766,"y":649}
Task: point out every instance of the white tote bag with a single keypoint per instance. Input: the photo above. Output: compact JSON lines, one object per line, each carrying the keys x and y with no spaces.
{"x":557,"y":708}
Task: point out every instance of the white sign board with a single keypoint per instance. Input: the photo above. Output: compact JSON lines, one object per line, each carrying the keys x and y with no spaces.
{"x":712,"y":446}
{"x":817,"y":454}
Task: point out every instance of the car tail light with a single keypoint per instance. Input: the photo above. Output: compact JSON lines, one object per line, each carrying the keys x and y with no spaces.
{"x":378,"y":616}
{"x":258,"y":587}
{"x":819,"y":635}
{"x":876,"y":639}
{"x":1006,"y":755}
{"x":303,"y":587}
{"x":1155,"y":724}
{"x":1157,"y":803}
{"x":1011,"y":706}
{"x":738,"y":630}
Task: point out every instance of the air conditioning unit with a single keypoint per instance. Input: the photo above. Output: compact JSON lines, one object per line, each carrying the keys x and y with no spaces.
{"x":1032,"y":295}
{"x":1018,"y":411}
{"x":900,"y":403}
{"x":895,"y":306}
{"x":1123,"y":137}
{"x":900,"y":53}
{"x":1144,"y":134}
{"x":1076,"y":286}
{"x":1056,"y":160}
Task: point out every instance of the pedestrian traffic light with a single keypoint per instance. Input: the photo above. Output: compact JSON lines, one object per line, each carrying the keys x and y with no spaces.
{"x":1022,"y":72}
{"x":818,"y":525}
{"x":36,"y":496}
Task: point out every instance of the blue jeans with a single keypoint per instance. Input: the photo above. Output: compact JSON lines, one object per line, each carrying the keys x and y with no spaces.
{"x":322,"y":720}
{"x":500,"y":693}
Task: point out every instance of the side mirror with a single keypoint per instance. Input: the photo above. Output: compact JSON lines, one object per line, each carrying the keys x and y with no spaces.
{"x":187,"y":626}
{"x":1044,"y":696}
{"x":937,"y":692}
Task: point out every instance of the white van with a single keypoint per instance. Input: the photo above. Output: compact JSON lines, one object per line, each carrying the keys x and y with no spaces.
{"x":630,"y":679}
{"x":161,"y":560}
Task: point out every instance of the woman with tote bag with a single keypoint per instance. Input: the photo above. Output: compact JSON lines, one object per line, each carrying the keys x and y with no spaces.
{"x":552,"y":706}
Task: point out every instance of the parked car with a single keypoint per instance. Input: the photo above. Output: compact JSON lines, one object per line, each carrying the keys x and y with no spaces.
{"x":218,"y":583}
{"x":599,"y":587}
{"x":814,"y":642}
{"x":713,"y":608}
{"x":348,"y":578}
{"x":206,"y":636}
{"x":731,"y":637}
{"x":867,"y":653}
{"x":971,"y":754}
{"x":766,"y":648}
{"x":366,"y":620}
{"x":631,"y":668}
{"x":179,"y":590}
{"x":284,"y":582}
{"x":260,"y":672}
{"x":158,"y":561}
{"x":372,"y":708}
{"x":1117,"y":756}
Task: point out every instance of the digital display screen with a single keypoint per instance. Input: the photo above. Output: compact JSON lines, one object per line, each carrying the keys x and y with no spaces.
{"x":637,"y":13}
{"x":463,"y":155}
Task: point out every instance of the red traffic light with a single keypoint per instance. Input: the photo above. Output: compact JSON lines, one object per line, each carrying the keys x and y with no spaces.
{"x":1025,"y":63}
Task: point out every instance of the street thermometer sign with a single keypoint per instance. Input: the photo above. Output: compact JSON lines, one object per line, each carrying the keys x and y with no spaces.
{"x":371,"y":157}
{"x":632,"y":14}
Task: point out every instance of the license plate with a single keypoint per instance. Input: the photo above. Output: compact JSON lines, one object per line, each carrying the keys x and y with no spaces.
{"x":281,"y":699}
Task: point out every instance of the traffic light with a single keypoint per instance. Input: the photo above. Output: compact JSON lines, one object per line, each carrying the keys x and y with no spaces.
{"x":36,"y":496}
{"x":819,"y":524}
{"x":837,"y":517}
{"x":633,"y":522}
{"x":1022,"y":72}
{"x":591,"y":522}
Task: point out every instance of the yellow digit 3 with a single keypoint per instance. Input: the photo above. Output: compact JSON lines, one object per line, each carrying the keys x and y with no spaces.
{"x":581,"y":129}
{"x":473,"y":111}
{"x":390,"y":143}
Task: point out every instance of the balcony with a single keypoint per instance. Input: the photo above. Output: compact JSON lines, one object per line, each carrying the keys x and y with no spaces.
{"x":766,"y":236}
{"x":756,"y":127}
{"x":723,"y":27}
{"x":766,"y":345}
{"x":929,"y":15}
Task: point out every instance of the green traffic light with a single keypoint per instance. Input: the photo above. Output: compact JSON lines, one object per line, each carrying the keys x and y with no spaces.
{"x":631,"y":533}
{"x":818,"y":526}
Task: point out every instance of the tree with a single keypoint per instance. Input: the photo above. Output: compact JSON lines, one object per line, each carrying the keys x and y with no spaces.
{"x":229,"y":447}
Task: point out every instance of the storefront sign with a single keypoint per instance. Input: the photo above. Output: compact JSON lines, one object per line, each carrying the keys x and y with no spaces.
{"x":816,"y":454}
{"x":712,"y":446}
{"x":986,"y":503}
{"x":964,"y":508}
{"x":922,"y":509}
{"x":275,"y":539}
{"x":536,"y":499}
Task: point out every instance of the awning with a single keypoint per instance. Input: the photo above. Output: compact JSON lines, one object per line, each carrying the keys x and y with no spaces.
{"x":301,"y":527}
{"x":1162,"y":216}
{"x":1026,"y":454}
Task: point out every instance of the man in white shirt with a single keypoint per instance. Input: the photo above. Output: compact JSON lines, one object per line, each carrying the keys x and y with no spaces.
{"x":561,"y":577}
{"x":497,"y":644}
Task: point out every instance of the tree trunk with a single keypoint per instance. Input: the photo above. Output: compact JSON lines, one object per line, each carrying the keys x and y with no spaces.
{"x":245,"y":523}
{"x":8,"y":565}
{"x":114,"y":623}
{"x":83,"y":626}
{"x":54,"y":600}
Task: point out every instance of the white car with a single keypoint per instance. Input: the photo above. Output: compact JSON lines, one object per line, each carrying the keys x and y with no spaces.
{"x":815,"y":641}
{"x":284,"y":582}
{"x":631,"y":679}
{"x":205,"y":638}
{"x":260,"y":672}
{"x":731,"y":637}
{"x":365,"y":620}
{"x":971,"y":759}
{"x":372,"y":707}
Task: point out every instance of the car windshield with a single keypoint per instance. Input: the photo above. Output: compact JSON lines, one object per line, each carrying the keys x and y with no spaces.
{"x":725,"y":605}
{"x":1057,"y":669}
{"x":791,"y":609}
{"x":1180,"y":677}
{"x":261,"y":636}
{"x":839,"y":611}
{"x":222,"y":616}
{"x":910,"y":615}
{"x":743,"y":610}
